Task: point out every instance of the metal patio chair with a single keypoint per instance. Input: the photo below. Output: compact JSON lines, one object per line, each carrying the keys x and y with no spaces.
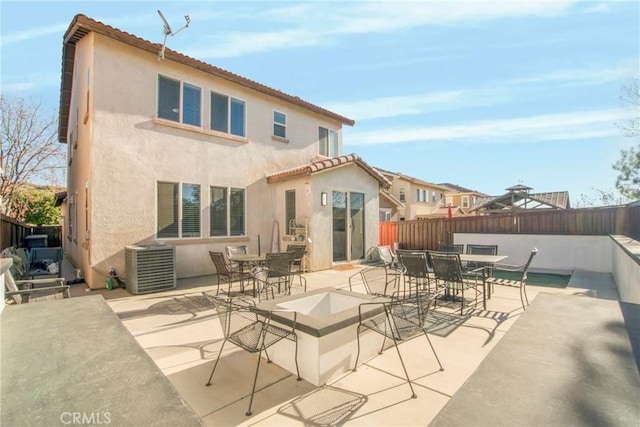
{"x":519,"y":282}
{"x":416,"y":269}
{"x":224,"y":271}
{"x":277,"y":272}
{"x":252,"y":330}
{"x":300,"y":251}
{"x":403,"y":318}
{"x":234,"y":250}
{"x":482,"y":250}
{"x":449,"y":273}
{"x":458,"y":249}
{"x":378,"y":280}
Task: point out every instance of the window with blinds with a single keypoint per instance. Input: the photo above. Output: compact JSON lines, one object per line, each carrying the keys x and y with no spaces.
{"x":227,"y":114}
{"x":169,"y":101}
{"x":190,"y":104}
{"x":167,"y":210}
{"x":190,"y":210}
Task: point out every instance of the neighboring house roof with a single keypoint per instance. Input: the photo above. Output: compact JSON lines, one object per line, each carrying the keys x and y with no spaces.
{"x":523,"y":200}
{"x":421,"y":182}
{"x":410,"y":179}
{"x":458,"y":189}
{"x":443,"y":211}
{"x":387,"y":195}
{"x":327,"y":165}
{"x":82,"y":25}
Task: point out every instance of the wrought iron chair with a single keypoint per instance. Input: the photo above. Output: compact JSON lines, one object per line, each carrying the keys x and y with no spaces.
{"x":378,"y":280}
{"x":458,"y":249}
{"x":234,"y":250}
{"x":449,"y":273}
{"x":387,"y":257}
{"x":224,"y":271}
{"x":252,"y":330}
{"x":520,"y":282}
{"x":482,"y":250}
{"x":276,"y":273}
{"x":300,"y":251}
{"x":403,"y":318}
{"x":416,"y":269}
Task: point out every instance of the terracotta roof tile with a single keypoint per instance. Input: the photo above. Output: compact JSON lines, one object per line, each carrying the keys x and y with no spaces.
{"x":325,"y":165}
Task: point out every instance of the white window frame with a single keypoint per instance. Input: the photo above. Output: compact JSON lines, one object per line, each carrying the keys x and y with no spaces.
{"x":180,"y":208}
{"x":230,"y":100}
{"x":228,"y":191}
{"x":465,"y":201}
{"x":180,"y":108}
{"x":329,"y":148}
{"x":277,"y":124}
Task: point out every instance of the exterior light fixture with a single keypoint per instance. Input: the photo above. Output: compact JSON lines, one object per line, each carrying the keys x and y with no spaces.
{"x":323,"y":198}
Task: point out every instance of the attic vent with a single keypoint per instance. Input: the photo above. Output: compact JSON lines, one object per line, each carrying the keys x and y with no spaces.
{"x":150,"y":268}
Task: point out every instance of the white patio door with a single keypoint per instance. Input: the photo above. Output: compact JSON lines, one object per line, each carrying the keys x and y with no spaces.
{"x":348,"y":225}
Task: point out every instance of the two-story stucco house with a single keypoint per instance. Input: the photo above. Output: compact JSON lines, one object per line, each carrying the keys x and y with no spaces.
{"x":178,"y":152}
{"x":413,"y":198}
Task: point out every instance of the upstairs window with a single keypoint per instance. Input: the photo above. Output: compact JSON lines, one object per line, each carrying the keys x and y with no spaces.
{"x":279,"y":124}
{"x":227,"y":114}
{"x":328,"y":139}
{"x":402,"y":195}
{"x":191,"y":105}
{"x":169,"y":101}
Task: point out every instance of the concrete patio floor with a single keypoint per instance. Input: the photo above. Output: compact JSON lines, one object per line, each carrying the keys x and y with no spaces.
{"x":180,"y":331}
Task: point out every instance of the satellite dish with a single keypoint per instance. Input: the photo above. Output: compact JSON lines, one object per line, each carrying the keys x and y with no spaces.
{"x":169,"y":32}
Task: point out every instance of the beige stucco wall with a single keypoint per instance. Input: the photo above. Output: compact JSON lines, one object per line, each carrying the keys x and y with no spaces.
{"x":308,"y":195}
{"x":130,"y":151}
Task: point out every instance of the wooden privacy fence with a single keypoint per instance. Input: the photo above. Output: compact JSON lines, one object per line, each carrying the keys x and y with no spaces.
{"x":12,"y":233}
{"x":430,"y":233}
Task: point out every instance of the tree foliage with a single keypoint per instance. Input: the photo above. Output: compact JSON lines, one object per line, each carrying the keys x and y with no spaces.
{"x":35,"y":205}
{"x":30,"y":150}
{"x":628,"y":181}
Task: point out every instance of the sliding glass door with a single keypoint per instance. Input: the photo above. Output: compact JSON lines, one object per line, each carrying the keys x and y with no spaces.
{"x":348,"y":225}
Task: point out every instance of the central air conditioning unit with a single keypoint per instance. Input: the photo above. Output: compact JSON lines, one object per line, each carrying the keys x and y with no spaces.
{"x":150,"y":268}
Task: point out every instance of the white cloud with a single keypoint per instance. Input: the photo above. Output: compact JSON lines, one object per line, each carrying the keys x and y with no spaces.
{"x":394,"y":106}
{"x":32,"y":33}
{"x":547,"y":127}
{"x":321,"y":22}
{"x":580,"y":76}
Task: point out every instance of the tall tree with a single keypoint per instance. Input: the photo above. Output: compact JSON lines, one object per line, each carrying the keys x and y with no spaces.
{"x":30,"y":150}
{"x":628,"y":181}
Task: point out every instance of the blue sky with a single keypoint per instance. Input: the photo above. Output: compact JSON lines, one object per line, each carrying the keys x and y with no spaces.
{"x":483,"y":94}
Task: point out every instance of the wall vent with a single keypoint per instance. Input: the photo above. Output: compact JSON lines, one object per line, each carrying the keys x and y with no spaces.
{"x":150,"y":268}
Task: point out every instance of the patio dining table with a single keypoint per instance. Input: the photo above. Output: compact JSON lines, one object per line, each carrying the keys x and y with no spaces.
{"x":242,"y":260}
{"x":486,"y":259}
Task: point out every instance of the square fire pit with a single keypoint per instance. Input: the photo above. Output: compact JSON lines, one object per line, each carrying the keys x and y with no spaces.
{"x":327,"y":322}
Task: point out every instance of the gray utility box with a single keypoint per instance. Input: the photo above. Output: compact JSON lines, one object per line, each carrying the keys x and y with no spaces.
{"x":150,"y":268}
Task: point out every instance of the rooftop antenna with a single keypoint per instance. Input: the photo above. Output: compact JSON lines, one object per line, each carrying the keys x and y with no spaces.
{"x":169,"y":32}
